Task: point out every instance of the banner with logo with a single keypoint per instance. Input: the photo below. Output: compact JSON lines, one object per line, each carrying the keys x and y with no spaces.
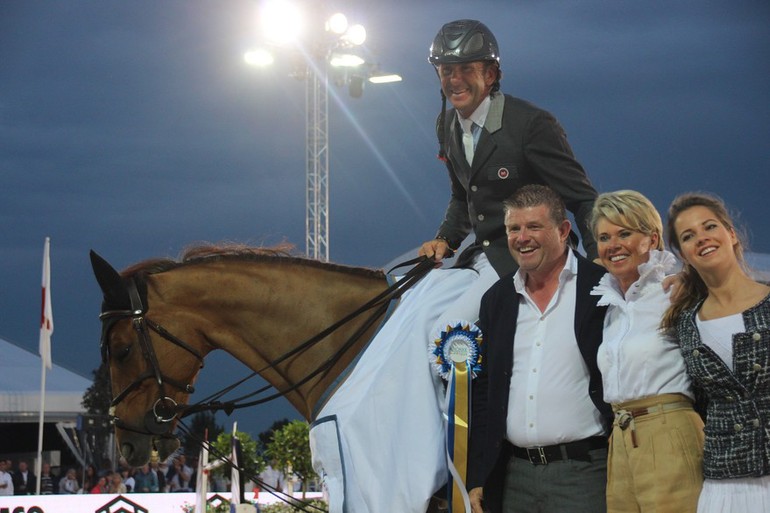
{"x":128,"y":503}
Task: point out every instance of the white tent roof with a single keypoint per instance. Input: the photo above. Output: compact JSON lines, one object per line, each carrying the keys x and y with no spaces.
{"x":20,"y":388}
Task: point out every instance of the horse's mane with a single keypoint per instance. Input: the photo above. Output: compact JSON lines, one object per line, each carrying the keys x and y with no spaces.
{"x":203,"y":253}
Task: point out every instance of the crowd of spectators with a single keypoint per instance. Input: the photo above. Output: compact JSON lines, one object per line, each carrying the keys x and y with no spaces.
{"x":175,"y":475}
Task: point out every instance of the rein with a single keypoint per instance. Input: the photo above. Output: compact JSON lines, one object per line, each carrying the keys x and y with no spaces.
{"x":379,"y":304}
{"x":165,"y":409}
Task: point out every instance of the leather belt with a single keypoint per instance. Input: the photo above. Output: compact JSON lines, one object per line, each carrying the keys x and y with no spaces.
{"x":578,"y":450}
{"x":625,"y":418}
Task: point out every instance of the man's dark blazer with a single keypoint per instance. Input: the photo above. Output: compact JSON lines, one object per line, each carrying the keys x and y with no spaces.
{"x":19,"y":488}
{"x":488,"y":453}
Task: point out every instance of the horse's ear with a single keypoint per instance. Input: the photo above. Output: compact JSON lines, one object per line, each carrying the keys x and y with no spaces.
{"x":112,"y":285}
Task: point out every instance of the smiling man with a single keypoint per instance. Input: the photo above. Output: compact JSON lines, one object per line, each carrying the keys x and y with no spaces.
{"x":539,"y":424}
{"x":493,"y":144}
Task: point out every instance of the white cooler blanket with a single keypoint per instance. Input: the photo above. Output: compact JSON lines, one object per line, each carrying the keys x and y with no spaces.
{"x":379,"y":440}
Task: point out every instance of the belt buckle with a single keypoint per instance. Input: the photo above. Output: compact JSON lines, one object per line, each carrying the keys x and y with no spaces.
{"x":624,"y":419}
{"x":540,"y":454}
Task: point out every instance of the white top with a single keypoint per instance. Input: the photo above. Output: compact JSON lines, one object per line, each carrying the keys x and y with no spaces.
{"x":718,"y":335}
{"x":548,"y":401}
{"x":6,"y":483}
{"x":635,"y":358}
{"x":68,"y":485}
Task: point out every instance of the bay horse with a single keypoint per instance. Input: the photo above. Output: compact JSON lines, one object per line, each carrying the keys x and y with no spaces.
{"x":161,"y":317}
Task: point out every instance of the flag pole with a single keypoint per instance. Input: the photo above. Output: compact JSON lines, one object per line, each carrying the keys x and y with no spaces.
{"x":235,"y":475}
{"x":39,"y":459}
{"x":46,"y":329}
{"x":202,"y":482}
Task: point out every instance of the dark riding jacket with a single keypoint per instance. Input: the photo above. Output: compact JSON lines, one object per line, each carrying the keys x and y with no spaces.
{"x":520,"y":144}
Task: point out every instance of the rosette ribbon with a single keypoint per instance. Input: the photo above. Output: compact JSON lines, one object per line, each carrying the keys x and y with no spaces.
{"x":454,"y":353}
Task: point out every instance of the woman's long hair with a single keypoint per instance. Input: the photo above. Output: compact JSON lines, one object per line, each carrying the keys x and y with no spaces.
{"x":692,"y":288}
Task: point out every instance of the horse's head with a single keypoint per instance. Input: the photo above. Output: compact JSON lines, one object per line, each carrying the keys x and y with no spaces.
{"x":151,"y":370}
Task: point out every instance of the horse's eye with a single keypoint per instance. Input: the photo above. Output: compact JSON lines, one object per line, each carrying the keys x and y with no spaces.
{"x":121,"y":354}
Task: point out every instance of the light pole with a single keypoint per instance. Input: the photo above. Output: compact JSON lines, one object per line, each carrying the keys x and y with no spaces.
{"x":332,"y":44}
{"x":317,"y":165}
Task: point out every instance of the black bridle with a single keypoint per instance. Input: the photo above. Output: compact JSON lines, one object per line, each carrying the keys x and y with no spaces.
{"x":164,"y":410}
{"x":158,"y":419}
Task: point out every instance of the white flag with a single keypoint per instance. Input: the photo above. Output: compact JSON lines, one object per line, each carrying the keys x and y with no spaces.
{"x":201,"y":486}
{"x":46,"y":318}
{"x":235,"y":478}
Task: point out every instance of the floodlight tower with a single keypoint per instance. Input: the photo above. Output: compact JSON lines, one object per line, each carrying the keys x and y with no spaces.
{"x":317,"y":165}
{"x":332,"y":45}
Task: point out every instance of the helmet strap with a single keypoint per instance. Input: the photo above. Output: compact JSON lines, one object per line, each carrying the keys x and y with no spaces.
{"x":442,"y":130}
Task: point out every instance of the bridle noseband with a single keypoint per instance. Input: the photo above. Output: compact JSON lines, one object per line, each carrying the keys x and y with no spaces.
{"x":165,"y":409}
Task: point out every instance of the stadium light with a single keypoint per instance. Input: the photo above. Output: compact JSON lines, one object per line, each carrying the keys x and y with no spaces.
{"x":320,"y":48}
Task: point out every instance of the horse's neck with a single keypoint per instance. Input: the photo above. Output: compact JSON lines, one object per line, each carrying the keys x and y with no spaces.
{"x":257,"y":313}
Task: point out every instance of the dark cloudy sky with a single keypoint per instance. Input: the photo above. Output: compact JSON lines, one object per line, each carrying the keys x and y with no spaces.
{"x":135,"y":128}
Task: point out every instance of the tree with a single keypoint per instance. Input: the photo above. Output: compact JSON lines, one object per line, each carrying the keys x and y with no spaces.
{"x":265,"y":437}
{"x":98,"y":397}
{"x":200,"y":423}
{"x":290,"y":450}
{"x":96,"y":427}
{"x":252,"y":463}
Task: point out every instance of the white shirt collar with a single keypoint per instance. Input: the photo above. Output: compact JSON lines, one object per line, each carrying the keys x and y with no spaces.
{"x":569,"y":270}
{"x":653,"y":270}
{"x":479,"y":115}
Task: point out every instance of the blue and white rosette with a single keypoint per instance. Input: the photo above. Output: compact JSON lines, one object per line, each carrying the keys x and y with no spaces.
{"x":454,"y":353}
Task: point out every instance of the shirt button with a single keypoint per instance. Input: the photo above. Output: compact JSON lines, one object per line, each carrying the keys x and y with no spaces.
{"x":531,"y":397}
{"x":695,"y":353}
{"x":738,"y":427}
{"x":755,"y":422}
{"x":534,"y":370}
{"x":756,"y":337}
{"x":480,"y":217}
{"x":474,"y":188}
{"x":757,"y":367}
{"x":485,"y":243}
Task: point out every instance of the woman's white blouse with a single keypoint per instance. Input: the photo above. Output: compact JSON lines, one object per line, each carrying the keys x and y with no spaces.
{"x":636,"y":360}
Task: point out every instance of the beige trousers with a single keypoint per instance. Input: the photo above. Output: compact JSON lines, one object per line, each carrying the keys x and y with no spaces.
{"x":655,"y":456}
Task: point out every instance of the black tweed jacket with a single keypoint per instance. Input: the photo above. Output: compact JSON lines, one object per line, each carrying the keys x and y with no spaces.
{"x":738,"y":402}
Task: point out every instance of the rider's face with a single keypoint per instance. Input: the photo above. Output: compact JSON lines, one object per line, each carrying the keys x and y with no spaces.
{"x":466,"y":84}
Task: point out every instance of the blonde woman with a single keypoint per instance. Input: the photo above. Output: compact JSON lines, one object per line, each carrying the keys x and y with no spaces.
{"x":656,"y":444}
{"x":722,"y":319}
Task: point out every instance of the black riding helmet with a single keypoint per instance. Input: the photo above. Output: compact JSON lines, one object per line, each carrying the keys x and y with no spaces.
{"x":456,"y":42}
{"x":463,"y":41}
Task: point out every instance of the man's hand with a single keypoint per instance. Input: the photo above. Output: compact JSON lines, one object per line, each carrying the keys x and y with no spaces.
{"x":476,"y":495}
{"x":436,"y":249}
